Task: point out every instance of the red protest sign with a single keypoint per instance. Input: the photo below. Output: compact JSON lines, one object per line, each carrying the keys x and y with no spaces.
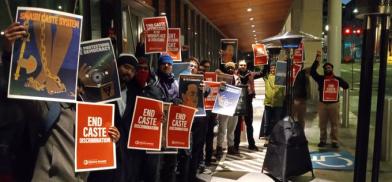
{"x":209,"y":101}
{"x":156,"y":34}
{"x":210,"y":76}
{"x":94,"y":149}
{"x":179,"y":126}
{"x":259,"y":54}
{"x":295,"y":68}
{"x":174,"y":44}
{"x":145,"y":131}
{"x":331,"y":90}
{"x":298,"y":54}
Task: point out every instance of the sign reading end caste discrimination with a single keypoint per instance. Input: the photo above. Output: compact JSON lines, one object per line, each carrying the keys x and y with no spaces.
{"x":146,"y":129}
{"x":94,"y":150}
{"x":179,"y":126}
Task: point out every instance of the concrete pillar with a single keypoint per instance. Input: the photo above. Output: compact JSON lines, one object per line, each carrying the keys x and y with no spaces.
{"x":335,"y":34}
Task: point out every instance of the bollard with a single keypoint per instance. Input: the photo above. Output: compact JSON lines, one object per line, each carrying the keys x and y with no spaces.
{"x":346,"y":109}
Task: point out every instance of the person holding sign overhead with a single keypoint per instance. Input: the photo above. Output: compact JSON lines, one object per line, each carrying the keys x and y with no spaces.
{"x":328,"y":86}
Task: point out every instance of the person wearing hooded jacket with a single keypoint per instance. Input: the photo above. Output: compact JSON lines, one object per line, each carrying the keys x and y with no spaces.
{"x":170,"y":93}
{"x":328,"y":110}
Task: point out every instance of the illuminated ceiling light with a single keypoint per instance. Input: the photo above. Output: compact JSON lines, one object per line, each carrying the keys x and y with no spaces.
{"x":355,"y":11}
{"x":322,"y":33}
{"x":60,"y":7}
{"x":251,"y":19}
{"x":326,"y":28}
{"x":254,"y":31}
{"x":249,"y":9}
{"x":163,"y":14}
{"x":195,"y":33}
{"x":2,"y":33}
{"x":253,"y":26}
{"x":254,"y":35}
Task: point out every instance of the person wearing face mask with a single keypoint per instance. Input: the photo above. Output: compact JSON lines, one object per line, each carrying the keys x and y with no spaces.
{"x":146,"y":166}
{"x":328,"y":86}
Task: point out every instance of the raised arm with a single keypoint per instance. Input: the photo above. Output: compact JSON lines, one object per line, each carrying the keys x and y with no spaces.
{"x":313,"y":69}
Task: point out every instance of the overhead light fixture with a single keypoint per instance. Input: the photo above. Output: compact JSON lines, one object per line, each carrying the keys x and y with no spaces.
{"x":163,"y":14}
{"x":254,"y":30}
{"x":195,"y":33}
{"x":253,"y":26}
{"x":2,"y":33}
{"x":326,"y":28}
{"x":60,"y":7}
{"x":322,"y":33}
{"x":355,"y":11}
{"x":251,"y":19}
{"x":249,"y":9}
{"x":254,"y":35}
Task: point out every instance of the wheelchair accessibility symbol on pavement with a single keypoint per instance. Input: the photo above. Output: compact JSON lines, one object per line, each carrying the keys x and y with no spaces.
{"x":332,"y":160}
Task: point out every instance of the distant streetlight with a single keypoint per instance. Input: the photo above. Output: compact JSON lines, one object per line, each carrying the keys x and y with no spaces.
{"x":60,"y":7}
{"x":355,"y":11}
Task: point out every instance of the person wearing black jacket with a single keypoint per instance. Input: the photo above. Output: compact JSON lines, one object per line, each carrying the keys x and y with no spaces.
{"x":328,"y":86}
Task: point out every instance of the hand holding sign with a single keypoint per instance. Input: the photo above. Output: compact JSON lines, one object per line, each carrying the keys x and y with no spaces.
{"x":114,"y":134}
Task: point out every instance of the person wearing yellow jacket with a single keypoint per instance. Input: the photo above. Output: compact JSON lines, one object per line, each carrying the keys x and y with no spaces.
{"x":273,"y":102}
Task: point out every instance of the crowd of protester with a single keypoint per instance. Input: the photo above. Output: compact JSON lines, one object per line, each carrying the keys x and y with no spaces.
{"x":41,"y":148}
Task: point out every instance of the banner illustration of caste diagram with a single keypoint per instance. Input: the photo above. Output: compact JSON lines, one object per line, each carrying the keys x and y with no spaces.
{"x":156,"y":30}
{"x":98,"y":79}
{"x":44,"y":64}
{"x":179,"y":126}
{"x":146,"y":127}
{"x":227,"y":100}
{"x":94,"y":149}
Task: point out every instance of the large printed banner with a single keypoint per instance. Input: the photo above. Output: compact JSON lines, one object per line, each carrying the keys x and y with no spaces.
{"x":331,"y":90}
{"x":156,"y":30}
{"x":229,"y":49}
{"x":260,"y":56}
{"x":210,"y":76}
{"x":179,"y":126}
{"x":145,"y":132}
{"x":191,"y":92}
{"x":181,"y":68}
{"x":98,"y":74}
{"x":227,"y":100}
{"x":94,"y":149}
{"x":209,"y":101}
{"x":281,"y":72}
{"x":44,"y":64}
{"x":298,"y":56}
{"x":174,"y":44}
